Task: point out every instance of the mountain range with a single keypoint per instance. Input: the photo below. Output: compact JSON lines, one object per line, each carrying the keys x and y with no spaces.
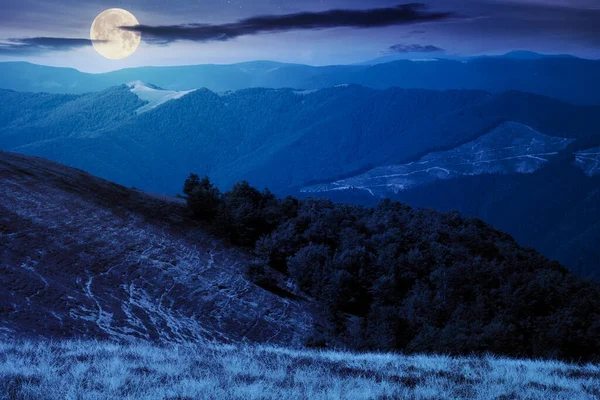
{"x":439,"y":54}
{"x":562,"y":77}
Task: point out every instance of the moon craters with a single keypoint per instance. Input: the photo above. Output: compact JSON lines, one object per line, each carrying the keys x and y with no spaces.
{"x":109,"y":39}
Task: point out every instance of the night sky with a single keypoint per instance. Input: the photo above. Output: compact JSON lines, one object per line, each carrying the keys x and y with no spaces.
{"x":56,"y":32}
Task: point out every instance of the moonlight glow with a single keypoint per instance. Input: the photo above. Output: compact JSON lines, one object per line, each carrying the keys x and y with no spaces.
{"x":111,"y":41}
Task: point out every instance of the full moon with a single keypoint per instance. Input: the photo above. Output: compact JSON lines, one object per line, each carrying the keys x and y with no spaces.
{"x":111,"y":41}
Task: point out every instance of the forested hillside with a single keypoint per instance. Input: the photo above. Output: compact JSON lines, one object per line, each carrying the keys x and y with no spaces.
{"x":28,"y":118}
{"x":397,"y":278}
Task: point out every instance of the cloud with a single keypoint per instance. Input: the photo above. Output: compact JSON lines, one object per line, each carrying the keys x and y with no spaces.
{"x":370,"y":18}
{"x":37,"y":45}
{"x":512,"y":24}
{"x":414,"y":48}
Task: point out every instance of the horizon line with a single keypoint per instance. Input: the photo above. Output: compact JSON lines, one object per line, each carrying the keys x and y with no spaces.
{"x":449,"y":57}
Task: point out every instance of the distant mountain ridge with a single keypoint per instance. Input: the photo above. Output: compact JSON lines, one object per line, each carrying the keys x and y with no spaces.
{"x":565,"y":78}
{"x":279,"y":138}
{"x":153,"y":95}
{"x":509,"y":148}
{"x":436,"y":55}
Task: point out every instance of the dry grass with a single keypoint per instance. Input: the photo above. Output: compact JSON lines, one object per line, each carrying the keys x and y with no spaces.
{"x":96,"y":370}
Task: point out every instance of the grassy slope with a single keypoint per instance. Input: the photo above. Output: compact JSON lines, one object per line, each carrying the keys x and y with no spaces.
{"x":97,"y":370}
{"x":80,"y":256}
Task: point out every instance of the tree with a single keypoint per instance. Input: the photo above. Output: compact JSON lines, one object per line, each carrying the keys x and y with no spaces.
{"x":204,"y":198}
{"x":190,"y":183}
{"x":246,"y":214}
{"x":307,"y":265}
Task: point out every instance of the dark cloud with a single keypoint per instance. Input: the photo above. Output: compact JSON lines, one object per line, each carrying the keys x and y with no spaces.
{"x":28,"y":46}
{"x":414,"y":48}
{"x":516,"y":23}
{"x":370,"y":18}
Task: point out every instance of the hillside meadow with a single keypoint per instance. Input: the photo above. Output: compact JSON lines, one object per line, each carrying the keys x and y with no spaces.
{"x":103,"y":370}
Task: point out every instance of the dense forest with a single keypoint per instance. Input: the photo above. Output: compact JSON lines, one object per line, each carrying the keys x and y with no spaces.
{"x":395,"y":278}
